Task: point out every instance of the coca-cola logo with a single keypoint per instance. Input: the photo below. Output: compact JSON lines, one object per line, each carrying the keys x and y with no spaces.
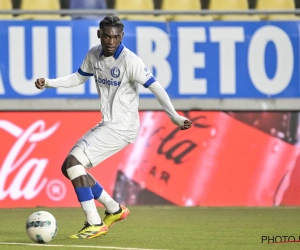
{"x":177,"y":150}
{"x":24,"y":171}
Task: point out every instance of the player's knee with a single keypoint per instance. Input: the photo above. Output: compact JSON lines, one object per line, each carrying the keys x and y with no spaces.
{"x":69,"y":162}
{"x":75,"y":163}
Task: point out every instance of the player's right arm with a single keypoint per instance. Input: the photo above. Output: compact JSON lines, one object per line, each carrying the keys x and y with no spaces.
{"x":69,"y":81}
{"x":81,"y":76}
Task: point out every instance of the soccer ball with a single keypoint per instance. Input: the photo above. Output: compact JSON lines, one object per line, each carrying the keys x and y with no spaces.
{"x":41,"y":227}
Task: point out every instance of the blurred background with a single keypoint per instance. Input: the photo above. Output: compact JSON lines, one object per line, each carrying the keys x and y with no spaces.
{"x":148,"y":5}
{"x":231,"y":66}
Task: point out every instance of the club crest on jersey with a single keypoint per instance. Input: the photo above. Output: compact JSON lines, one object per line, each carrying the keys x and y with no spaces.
{"x":115,"y":72}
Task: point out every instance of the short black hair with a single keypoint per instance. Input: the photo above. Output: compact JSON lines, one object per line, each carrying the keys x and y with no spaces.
{"x":113,"y":21}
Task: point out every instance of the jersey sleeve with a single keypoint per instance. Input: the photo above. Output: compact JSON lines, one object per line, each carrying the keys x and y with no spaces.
{"x":138,"y":72}
{"x":86,"y":68}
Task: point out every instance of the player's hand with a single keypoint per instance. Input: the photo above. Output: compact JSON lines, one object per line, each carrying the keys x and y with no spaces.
{"x":182,"y":122}
{"x":187,"y":124}
{"x":40,"y":83}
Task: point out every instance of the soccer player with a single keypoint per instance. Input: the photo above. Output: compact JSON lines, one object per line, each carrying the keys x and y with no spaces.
{"x":117,"y":72}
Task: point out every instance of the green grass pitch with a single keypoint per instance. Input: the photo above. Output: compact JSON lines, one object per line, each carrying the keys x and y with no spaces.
{"x":163,"y":228}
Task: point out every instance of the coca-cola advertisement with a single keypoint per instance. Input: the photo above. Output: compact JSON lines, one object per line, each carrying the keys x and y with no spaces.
{"x":225,"y":159}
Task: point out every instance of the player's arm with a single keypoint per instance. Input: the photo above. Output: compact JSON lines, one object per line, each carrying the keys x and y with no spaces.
{"x":164,"y":100}
{"x":69,"y":81}
{"x":73,"y":80}
{"x":139,"y":73}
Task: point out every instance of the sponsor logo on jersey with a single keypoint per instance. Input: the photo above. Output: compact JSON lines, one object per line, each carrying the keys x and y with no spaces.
{"x":115,"y":72}
{"x":108,"y":81}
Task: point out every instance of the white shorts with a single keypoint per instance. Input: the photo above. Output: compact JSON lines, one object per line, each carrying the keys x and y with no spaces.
{"x":99,"y":143}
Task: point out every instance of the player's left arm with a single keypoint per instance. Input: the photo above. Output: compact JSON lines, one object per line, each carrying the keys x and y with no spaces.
{"x":164,"y":100}
{"x":139,"y":73}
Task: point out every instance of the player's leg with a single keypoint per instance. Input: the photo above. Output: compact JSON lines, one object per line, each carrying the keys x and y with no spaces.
{"x":100,"y":144}
{"x":74,"y":169}
{"x":114,"y":211}
{"x":102,"y":196}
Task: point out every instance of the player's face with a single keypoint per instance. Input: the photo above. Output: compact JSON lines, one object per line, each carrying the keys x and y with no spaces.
{"x":110,"y":39}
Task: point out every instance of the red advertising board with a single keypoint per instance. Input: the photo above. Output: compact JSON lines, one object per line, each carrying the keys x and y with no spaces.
{"x":221,"y":161}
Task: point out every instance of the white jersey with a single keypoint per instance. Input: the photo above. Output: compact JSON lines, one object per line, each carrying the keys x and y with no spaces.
{"x":117,"y":78}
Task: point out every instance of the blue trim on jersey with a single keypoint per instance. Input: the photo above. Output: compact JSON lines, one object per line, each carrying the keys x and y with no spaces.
{"x":84,"y":73}
{"x":97,"y":190}
{"x":149,"y":82}
{"x":118,"y":51}
{"x":84,"y":193}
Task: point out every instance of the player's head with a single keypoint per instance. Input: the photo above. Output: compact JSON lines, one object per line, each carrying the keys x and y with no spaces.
{"x":110,"y":33}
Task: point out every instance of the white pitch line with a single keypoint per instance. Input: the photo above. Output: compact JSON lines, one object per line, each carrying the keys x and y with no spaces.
{"x":100,"y":247}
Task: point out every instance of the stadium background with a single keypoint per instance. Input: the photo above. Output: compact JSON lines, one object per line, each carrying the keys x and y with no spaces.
{"x":241,"y":90}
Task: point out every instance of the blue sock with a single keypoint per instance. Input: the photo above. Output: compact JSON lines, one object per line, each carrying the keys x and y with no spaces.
{"x":97,"y":190}
{"x":84,"y":193}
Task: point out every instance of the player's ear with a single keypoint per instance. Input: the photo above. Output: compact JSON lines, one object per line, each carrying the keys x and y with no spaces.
{"x":98,"y":33}
{"x":122,"y":35}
